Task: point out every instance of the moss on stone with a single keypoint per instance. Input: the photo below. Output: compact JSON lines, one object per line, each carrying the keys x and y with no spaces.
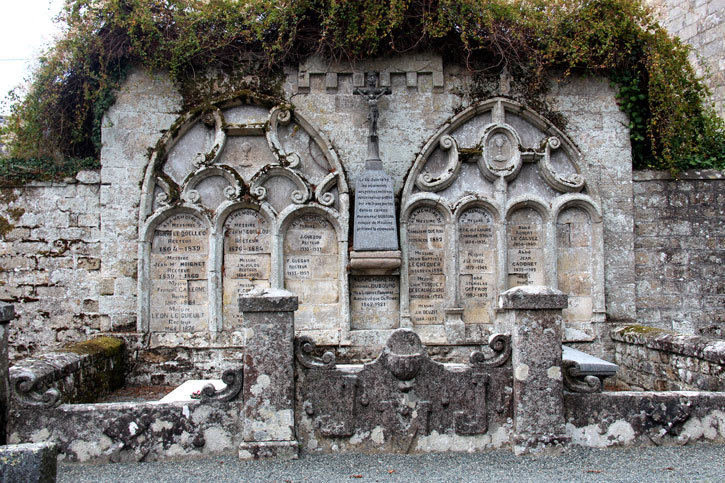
{"x":5,"y":226}
{"x":109,"y":346}
{"x":643,"y":330}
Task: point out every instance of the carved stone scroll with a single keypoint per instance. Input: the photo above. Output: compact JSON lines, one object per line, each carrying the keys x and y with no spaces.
{"x":575,"y":381}
{"x":233,"y":378}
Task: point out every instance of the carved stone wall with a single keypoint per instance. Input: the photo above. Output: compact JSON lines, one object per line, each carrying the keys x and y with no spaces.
{"x":212,"y":167}
{"x":498,"y":198}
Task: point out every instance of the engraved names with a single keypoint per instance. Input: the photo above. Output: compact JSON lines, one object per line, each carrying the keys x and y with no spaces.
{"x":426,"y":276}
{"x":178,"y":275}
{"x":374,"y":301}
{"x":247,"y":260}
{"x":311,"y":271}
{"x":525,"y":248}
{"x":375,"y":227}
{"x":476,"y":265}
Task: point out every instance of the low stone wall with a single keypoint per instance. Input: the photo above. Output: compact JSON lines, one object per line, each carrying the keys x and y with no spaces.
{"x":656,"y":359}
{"x":82,"y":373}
{"x":641,"y":418}
{"x":679,"y":250}
{"x":124,"y":432}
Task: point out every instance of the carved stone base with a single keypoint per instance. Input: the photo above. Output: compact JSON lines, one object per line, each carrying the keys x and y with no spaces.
{"x":375,"y":262}
{"x":258,"y":450}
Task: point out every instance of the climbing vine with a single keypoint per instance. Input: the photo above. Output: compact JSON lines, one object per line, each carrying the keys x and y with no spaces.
{"x":246,"y":43}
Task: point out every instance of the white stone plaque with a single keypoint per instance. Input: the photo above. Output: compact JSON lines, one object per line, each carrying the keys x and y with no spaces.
{"x":426,"y":262}
{"x":574,"y":263}
{"x":374,"y":302}
{"x":247,"y":260}
{"x":476,"y":265}
{"x":525,"y":248}
{"x":375,"y":226}
{"x":311,"y":271}
{"x":178,"y":279}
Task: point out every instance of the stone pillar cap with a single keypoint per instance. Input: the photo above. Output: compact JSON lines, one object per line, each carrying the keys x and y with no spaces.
{"x":533,"y":297}
{"x":7,"y":312}
{"x":268,"y":300}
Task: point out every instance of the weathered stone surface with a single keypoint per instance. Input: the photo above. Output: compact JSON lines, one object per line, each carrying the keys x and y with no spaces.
{"x":7,"y":312}
{"x":375,"y":223}
{"x":83,"y":373}
{"x":632,"y":418}
{"x":129,"y":432}
{"x":532,"y":297}
{"x":29,"y":463}
{"x":403,"y":401}
{"x":656,"y":359}
{"x":534,"y":320}
{"x":268,"y":389}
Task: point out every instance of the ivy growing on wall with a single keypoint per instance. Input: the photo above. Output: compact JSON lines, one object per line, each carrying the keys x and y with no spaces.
{"x":672,"y":125}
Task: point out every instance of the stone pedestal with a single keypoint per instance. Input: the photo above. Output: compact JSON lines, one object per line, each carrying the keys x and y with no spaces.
{"x":268,"y":389}
{"x":534,"y":319}
{"x":7,"y":313}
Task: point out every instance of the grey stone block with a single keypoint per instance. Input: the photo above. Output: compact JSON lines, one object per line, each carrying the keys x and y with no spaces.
{"x":28,"y":463}
{"x":533,"y":297}
{"x":7,"y":312}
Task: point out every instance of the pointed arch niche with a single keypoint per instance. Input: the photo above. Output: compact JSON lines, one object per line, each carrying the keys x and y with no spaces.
{"x":243,"y":194}
{"x":498,"y":198}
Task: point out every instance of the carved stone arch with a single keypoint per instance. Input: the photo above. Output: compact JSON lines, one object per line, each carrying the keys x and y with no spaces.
{"x":313,"y":264}
{"x":425,"y":235}
{"x":234,"y":188}
{"x":237,"y":150}
{"x":150,"y":234}
{"x":533,"y":202}
{"x":247,"y":241}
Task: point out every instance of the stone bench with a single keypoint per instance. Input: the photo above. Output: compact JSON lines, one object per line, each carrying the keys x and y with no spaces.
{"x":588,"y":364}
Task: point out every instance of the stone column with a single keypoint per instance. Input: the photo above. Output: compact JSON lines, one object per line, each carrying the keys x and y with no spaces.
{"x":268,"y":389}
{"x":7,"y":313}
{"x":533,"y":317}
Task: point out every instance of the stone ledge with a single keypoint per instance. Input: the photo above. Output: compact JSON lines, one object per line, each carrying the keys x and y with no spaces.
{"x":268,"y":300}
{"x":693,"y":174}
{"x":80,"y":373}
{"x":701,"y":347}
{"x":533,"y":297}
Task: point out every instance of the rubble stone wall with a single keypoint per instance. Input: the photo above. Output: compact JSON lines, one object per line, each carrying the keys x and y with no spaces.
{"x":679,"y":251}
{"x":50,"y":262}
{"x":659,"y":360}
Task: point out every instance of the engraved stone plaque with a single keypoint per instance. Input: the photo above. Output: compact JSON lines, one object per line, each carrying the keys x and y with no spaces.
{"x":311,"y":271}
{"x":426,"y":279}
{"x":374,"y":302}
{"x":525,"y":248}
{"x":247,"y":260}
{"x":179,"y":300}
{"x":375,"y":227}
{"x":476,"y":265}
{"x":574,"y":262}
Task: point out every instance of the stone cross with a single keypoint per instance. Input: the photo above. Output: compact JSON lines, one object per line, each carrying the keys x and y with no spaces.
{"x":372,"y":93}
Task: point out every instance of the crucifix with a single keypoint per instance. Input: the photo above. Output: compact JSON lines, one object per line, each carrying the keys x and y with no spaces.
{"x":372,"y":93}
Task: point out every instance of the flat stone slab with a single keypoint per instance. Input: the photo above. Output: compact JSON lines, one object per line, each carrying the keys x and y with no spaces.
{"x":184,"y":392}
{"x":29,"y":463}
{"x":588,"y":364}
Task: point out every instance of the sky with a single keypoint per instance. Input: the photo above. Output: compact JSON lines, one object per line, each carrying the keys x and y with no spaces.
{"x":26,"y":28}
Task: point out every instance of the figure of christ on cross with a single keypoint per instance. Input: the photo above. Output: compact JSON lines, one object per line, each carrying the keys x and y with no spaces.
{"x":372,"y":93}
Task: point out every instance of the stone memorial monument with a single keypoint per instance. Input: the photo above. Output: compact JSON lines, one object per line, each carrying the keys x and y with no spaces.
{"x":374,"y":286}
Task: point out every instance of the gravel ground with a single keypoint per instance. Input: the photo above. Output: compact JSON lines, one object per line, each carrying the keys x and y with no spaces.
{"x":700,"y":462}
